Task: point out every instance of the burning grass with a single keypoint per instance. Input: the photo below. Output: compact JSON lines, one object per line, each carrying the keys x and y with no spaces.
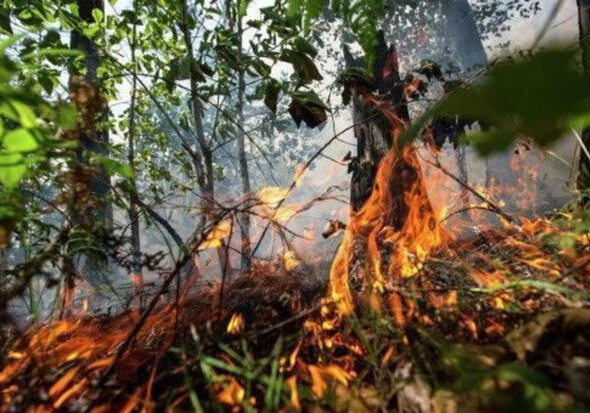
{"x":416,"y":318}
{"x":424,"y":340}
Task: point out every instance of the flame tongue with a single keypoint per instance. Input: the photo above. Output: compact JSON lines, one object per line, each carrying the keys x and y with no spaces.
{"x":397,"y":217}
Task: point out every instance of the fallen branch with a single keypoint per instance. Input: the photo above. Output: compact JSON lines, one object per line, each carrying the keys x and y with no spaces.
{"x":573,"y":270}
{"x":288,"y":321}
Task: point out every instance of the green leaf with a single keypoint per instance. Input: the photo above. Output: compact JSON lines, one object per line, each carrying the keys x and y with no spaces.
{"x":312,"y":10}
{"x":261,"y":67}
{"x":308,"y":107}
{"x":242,"y":7}
{"x":9,"y":41}
{"x":19,"y":112}
{"x":293,"y":8}
{"x":46,"y":82}
{"x":5,"y":20}
{"x":20,"y":140}
{"x":490,"y":141}
{"x":67,"y":116}
{"x":271,"y":94}
{"x":55,"y":51}
{"x":12,"y":169}
{"x":538,"y":97}
{"x":303,"y":46}
{"x":305,"y":69}
{"x":97,"y":15}
{"x":114,"y":167}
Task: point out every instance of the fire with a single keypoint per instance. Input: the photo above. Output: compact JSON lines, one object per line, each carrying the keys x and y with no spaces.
{"x":299,"y":171}
{"x":60,"y":344}
{"x":398,"y":233}
{"x":232,"y":394}
{"x":290,"y":260}
{"x":272,"y":195}
{"x":236,"y":324}
{"x":375,"y":223}
{"x":214,"y":239}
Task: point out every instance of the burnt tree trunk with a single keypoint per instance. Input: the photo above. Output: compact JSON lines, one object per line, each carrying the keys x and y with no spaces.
{"x":375,"y":134}
{"x":372,"y":130}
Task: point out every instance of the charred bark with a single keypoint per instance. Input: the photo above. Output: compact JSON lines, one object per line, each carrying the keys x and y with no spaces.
{"x":375,"y":135}
{"x":373,"y":129}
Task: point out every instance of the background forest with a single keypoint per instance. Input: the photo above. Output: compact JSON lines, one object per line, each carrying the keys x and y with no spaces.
{"x":341,"y":205}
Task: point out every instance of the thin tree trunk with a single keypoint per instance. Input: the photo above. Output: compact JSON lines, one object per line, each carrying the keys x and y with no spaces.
{"x":204,"y":166}
{"x":584,"y":35}
{"x":462,"y":34}
{"x":136,"y":265}
{"x":244,"y":173}
{"x":5,"y":18}
{"x":101,"y":215}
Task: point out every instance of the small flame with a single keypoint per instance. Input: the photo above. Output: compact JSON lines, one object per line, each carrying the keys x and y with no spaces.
{"x":299,"y":175}
{"x":290,"y":260}
{"x":272,"y":195}
{"x":214,"y":239}
{"x":232,"y":394}
{"x":236,"y":324}
{"x":136,"y":279}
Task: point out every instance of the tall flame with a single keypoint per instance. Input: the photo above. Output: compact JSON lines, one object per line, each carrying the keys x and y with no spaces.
{"x":411,"y":242}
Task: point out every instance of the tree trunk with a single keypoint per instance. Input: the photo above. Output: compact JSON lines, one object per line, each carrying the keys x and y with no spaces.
{"x":5,"y":18}
{"x":584,"y":35}
{"x":100,"y":216}
{"x":245,"y":217}
{"x":388,"y":195}
{"x":136,"y":265}
{"x":462,"y":34}
{"x":203,"y":166}
{"x":374,"y":134}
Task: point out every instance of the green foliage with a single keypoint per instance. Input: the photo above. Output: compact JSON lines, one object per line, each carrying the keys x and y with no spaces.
{"x":307,"y":107}
{"x":256,"y":373}
{"x":540,"y":97}
{"x":271,"y":94}
{"x":362,"y":16}
{"x":28,"y":124}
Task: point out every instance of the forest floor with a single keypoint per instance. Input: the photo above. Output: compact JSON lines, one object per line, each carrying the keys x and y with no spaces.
{"x":499,"y":322}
